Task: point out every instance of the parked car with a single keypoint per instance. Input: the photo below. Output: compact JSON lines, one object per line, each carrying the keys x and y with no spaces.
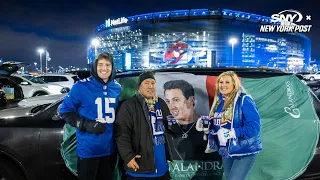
{"x":312,"y":76}
{"x":65,"y":80}
{"x":31,"y":89}
{"x":30,"y":137}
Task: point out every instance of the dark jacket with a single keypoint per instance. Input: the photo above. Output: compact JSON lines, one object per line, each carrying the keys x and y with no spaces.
{"x":134,"y":134}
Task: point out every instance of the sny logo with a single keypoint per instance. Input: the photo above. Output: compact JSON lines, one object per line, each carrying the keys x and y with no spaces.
{"x":282,"y":17}
{"x":287,"y":20}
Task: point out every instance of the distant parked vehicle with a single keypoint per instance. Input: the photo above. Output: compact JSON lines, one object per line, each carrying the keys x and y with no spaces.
{"x":31,"y":89}
{"x":65,"y":80}
{"x":312,"y":77}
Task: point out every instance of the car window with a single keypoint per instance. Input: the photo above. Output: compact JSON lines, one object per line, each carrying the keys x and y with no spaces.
{"x":62,"y":78}
{"x":54,"y":78}
{"x":35,"y":79}
{"x":44,"y":78}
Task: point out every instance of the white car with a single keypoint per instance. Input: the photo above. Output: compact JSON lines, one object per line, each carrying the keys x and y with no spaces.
{"x":65,"y":80}
{"x":312,"y":77}
{"x":31,"y":89}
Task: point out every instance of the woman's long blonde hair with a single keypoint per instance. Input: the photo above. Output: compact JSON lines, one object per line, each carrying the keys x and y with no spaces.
{"x":236,"y":84}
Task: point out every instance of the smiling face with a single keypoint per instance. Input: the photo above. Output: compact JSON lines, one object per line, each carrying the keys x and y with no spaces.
{"x":180,"y":107}
{"x":148,"y":88}
{"x":226,"y":85}
{"x":104,"y":69}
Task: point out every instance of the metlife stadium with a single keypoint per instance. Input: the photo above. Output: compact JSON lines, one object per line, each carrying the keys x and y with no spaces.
{"x":198,"y":37}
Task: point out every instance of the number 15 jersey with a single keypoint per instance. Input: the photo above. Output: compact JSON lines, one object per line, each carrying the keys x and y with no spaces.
{"x":94,"y":100}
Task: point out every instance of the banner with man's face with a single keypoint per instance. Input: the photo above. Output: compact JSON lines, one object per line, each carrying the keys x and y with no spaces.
{"x":187,"y":101}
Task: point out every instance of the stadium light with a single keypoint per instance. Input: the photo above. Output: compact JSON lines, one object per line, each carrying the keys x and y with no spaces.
{"x":233,"y":41}
{"x":95,"y":42}
{"x":35,"y":66}
{"x":40,"y":52}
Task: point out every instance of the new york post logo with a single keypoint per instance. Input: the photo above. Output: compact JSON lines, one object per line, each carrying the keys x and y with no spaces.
{"x":286,"y":22}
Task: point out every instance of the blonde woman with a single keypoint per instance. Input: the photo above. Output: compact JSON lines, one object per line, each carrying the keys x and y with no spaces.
{"x":234,"y":127}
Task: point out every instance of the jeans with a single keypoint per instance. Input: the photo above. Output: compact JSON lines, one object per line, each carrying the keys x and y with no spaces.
{"x":238,"y":168}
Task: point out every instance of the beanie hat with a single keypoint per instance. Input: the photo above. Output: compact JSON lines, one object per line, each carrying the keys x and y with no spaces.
{"x":145,"y":75}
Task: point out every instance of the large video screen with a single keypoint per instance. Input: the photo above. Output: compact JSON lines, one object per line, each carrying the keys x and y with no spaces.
{"x":178,"y":49}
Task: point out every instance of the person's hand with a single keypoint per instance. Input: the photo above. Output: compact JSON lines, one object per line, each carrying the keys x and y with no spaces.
{"x":230,"y":134}
{"x":133,"y":164}
{"x":93,"y":127}
{"x":224,"y":135}
{"x":222,"y":139}
{"x":200,"y":127}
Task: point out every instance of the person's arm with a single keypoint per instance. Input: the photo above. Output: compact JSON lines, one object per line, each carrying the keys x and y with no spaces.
{"x":70,"y":104}
{"x":68,"y":112}
{"x":123,"y":128}
{"x":252,"y":122}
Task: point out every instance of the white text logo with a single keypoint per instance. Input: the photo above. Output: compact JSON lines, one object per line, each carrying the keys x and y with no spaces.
{"x":294,"y":16}
{"x":112,"y":22}
{"x":287,"y":20}
{"x":291,"y":108}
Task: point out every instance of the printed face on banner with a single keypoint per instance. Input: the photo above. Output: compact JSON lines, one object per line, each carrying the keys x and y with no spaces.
{"x":179,"y":106}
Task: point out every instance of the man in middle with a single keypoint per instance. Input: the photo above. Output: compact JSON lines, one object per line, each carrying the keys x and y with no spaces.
{"x":140,"y":133}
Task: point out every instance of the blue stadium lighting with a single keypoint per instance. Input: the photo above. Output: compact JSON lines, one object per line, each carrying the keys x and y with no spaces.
{"x":161,"y":14}
{"x":194,"y":12}
{"x":131,"y":18}
{"x":253,"y":48}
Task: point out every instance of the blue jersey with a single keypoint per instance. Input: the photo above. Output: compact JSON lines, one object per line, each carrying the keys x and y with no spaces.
{"x":94,"y":100}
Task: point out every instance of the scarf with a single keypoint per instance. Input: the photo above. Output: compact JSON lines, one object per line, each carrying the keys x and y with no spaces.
{"x":226,"y":117}
{"x":158,"y":127}
{"x":227,"y":114}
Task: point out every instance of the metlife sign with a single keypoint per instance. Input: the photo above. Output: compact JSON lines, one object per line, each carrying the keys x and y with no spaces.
{"x":287,"y":19}
{"x":112,"y":22}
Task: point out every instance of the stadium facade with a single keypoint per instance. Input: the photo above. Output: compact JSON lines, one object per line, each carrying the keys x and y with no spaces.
{"x":198,"y":37}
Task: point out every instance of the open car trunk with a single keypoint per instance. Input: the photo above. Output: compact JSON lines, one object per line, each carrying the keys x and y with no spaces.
{"x":13,"y":92}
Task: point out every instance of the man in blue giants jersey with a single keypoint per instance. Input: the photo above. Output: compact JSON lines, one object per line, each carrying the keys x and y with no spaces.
{"x":90,"y":107}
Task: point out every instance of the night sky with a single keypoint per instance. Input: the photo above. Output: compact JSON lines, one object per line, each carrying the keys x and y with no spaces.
{"x":64,"y":27}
